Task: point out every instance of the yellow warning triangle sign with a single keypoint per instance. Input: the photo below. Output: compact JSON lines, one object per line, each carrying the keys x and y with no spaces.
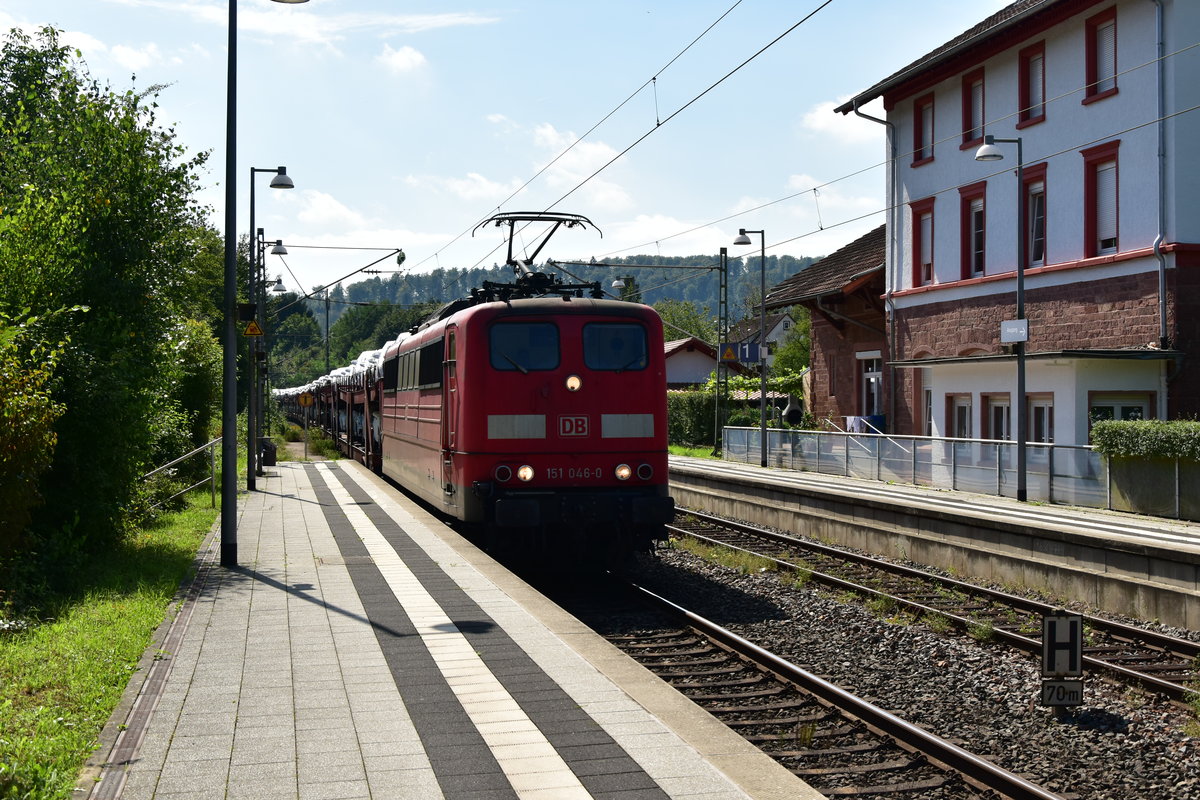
{"x":728,"y":355}
{"x":253,"y":330}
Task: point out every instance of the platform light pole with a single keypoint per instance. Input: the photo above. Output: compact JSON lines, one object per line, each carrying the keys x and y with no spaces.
{"x":229,"y":301}
{"x":255,"y":400}
{"x":989,"y":152}
{"x":743,"y":239}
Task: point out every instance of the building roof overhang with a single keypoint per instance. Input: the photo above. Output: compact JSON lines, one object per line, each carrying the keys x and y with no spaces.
{"x":1012,"y":19}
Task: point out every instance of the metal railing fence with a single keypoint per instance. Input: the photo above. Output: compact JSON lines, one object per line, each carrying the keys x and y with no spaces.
{"x":211,"y":480}
{"x":1066,"y":474}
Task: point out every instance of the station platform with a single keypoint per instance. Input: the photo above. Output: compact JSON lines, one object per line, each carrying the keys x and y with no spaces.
{"x":364,"y":650}
{"x":1147,"y":567}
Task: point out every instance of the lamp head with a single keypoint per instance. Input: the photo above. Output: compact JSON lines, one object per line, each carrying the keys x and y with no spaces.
{"x":278,"y":287}
{"x":279,"y":249}
{"x":281,"y":179}
{"x":988,"y":150}
{"x":742,"y":238}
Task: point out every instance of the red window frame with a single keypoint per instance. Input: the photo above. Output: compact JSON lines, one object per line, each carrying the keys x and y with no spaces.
{"x":1092,"y":91}
{"x":919,"y":105}
{"x":968,"y":96}
{"x":1025,"y":112}
{"x":967,"y":195}
{"x":1031,"y":175}
{"x":1093,"y":157}
{"x":919,"y":209}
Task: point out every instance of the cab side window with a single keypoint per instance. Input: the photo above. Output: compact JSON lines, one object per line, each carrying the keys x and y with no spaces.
{"x":615,"y":346}
{"x":523,"y":346}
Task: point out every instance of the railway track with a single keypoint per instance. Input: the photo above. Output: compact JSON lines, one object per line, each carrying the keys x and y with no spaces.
{"x":1133,"y":655}
{"x":838,"y":743}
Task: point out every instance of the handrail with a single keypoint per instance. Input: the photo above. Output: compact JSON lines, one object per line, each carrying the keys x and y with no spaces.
{"x":872,"y":427}
{"x":212,"y":475}
{"x":1066,"y":473}
{"x":861,"y":446}
{"x":181,"y":458}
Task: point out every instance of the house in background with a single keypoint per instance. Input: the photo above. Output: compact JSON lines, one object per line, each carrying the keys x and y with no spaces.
{"x":778,"y":325}
{"x":843,"y":292}
{"x":691,"y":361}
{"x":1101,"y":97}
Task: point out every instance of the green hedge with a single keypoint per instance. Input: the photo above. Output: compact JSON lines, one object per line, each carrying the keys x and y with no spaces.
{"x":1148,"y":439}
{"x":690,"y":418}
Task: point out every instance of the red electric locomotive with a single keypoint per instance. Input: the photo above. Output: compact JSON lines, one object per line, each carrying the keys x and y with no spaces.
{"x":535,"y":411}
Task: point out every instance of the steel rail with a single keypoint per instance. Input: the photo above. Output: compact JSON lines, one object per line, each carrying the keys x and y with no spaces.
{"x":974,"y":767}
{"x":1119,"y":631}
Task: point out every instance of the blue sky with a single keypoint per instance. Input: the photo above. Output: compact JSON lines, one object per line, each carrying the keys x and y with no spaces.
{"x":405,"y":123}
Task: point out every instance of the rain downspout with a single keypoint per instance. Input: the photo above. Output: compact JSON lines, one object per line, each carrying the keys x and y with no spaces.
{"x":893,"y":210}
{"x":1162,"y":174}
{"x":1163,"y":338}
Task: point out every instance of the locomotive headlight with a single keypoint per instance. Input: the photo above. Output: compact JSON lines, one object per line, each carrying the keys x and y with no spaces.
{"x":645,"y":471}
{"x":574,"y":383}
{"x":623,"y":472}
{"x":525,"y":472}
{"x":503,"y":473}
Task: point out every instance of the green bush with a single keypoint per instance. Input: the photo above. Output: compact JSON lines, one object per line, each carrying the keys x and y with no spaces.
{"x":1148,"y":439}
{"x":28,"y":412}
{"x":690,"y":418}
{"x":744,"y":418}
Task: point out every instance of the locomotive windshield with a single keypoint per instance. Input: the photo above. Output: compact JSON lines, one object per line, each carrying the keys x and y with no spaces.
{"x":524,"y":346}
{"x":615,"y":346}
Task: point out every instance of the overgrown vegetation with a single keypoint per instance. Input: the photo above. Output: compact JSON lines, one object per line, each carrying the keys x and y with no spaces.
{"x":66,"y":664}
{"x":1150,"y":438}
{"x":103,"y":245}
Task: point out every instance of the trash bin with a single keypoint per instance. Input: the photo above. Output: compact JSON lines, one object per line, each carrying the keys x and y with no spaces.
{"x":268,"y":452}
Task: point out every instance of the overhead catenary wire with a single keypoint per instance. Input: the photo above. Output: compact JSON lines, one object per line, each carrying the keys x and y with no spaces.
{"x":821,"y":226}
{"x":606,"y":117}
{"x":956,"y":135}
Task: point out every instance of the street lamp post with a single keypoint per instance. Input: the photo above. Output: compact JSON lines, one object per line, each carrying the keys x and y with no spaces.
{"x":229,"y":329}
{"x":743,"y":239}
{"x":989,"y":152}
{"x":255,"y":405}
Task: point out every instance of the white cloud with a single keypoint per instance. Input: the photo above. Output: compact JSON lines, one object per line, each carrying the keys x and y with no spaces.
{"x":472,"y":187}
{"x":398,"y":62}
{"x":850,"y":128}
{"x":135,"y":59}
{"x":321,"y":212}
{"x":639,"y":235}
{"x":833,"y":200}
{"x":82,"y":42}
{"x":569,"y":168}
{"x":304,"y":25}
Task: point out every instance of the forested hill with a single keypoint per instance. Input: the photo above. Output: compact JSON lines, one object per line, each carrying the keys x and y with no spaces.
{"x":656,"y":277}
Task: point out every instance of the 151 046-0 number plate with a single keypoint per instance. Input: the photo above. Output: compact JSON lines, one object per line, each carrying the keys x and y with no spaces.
{"x":574,"y":473}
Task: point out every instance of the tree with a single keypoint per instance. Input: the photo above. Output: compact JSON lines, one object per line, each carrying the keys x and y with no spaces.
{"x":98,"y":211}
{"x":682,"y":318}
{"x":794,"y":350}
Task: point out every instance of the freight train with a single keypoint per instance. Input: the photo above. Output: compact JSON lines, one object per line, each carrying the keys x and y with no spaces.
{"x":535,"y":410}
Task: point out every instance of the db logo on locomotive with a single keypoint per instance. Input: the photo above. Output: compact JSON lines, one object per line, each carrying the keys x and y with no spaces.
{"x":573,"y":425}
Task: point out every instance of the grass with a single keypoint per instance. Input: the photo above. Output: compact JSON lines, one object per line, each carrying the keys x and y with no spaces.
{"x":745,"y":563}
{"x":693,"y":452}
{"x":62,"y":676}
{"x":1192,"y":728}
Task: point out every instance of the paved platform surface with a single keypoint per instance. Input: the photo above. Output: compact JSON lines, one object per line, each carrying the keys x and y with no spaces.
{"x":1182,"y":536}
{"x":362,"y":650}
